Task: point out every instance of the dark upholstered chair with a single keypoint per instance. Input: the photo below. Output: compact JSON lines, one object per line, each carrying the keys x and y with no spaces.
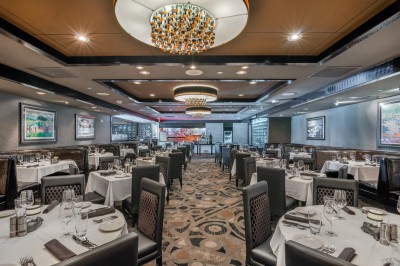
{"x":232,"y":156}
{"x":73,"y":170}
{"x":122,"y":251}
{"x":164,"y":163}
{"x":107,"y":162}
{"x":275,"y":177}
{"x":271,"y":153}
{"x":8,"y":186}
{"x":131,"y":156}
{"x":240,"y":167}
{"x":150,"y":222}
{"x":142,"y":152}
{"x":307,"y":161}
{"x":131,"y":204}
{"x":185,"y":152}
{"x":252,"y":148}
{"x":175,"y":168}
{"x":156,"y":148}
{"x":216,"y":153}
{"x":297,"y":254}
{"x":257,"y":225}
{"x":249,"y":168}
{"x":226,"y":160}
{"x":342,"y":173}
{"x":220,"y":154}
{"x":323,"y":186}
{"x":113,"y":148}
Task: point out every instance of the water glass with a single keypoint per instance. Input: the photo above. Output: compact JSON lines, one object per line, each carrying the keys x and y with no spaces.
{"x":20,"y":158}
{"x":37,"y":156}
{"x":77,"y":203}
{"x":352,"y":156}
{"x":334,"y":158}
{"x":81,"y":223}
{"x":306,"y":168}
{"x":27,"y":195}
{"x":315,"y":222}
{"x":340,"y":198}
{"x":20,"y":207}
{"x":68,"y":195}
{"x":65,"y":215}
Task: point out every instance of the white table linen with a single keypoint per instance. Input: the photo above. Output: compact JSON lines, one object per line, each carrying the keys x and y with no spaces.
{"x":112,"y":187}
{"x":94,"y":158}
{"x":123,"y":152}
{"x":369,"y":251}
{"x":359,"y":170}
{"x":35,"y":174}
{"x":299,"y":155}
{"x":12,"y":249}
{"x":261,"y":162}
{"x":140,"y":161}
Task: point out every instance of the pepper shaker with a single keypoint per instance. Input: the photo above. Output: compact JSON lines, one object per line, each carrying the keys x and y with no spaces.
{"x":382,"y":238}
{"x":22,"y":226}
{"x":13,"y":227}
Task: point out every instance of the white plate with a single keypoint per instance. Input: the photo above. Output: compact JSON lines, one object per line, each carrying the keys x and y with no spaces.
{"x":86,"y":204}
{"x":306,"y":177}
{"x":112,"y":225}
{"x":309,"y":241}
{"x":6,"y":213}
{"x":375,"y":210}
{"x":32,"y":207}
{"x":34,"y":211}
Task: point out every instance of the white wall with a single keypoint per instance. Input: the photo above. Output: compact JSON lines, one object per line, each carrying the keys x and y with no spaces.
{"x":240,"y":133}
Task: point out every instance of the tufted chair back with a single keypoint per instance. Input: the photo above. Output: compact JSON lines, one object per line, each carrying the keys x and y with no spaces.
{"x":106,"y":163}
{"x":240,"y":166}
{"x":164,"y":163}
{"x":343,"y":172}
{"x":307,"y":161}
{"x":52,"y":187}
{"x":113,"y":148}
{"x":249,"y":168}
{"x":323,"y":186}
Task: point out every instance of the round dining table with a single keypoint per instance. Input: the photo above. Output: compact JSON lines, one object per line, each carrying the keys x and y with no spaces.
{"x":369,"y":252}
{"x":12,"y":249}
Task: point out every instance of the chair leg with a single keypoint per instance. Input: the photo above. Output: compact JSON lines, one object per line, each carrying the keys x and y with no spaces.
{"x":159,"y":261}
{"x":237,"y":183}
{"x":180,"y":180}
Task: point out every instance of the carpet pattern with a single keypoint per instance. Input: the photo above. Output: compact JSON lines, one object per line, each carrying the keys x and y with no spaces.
{"x":203,"y":222}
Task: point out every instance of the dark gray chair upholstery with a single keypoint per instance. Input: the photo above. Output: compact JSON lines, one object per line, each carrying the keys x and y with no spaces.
{"x":275,"y":177}
{"x":164,"y":163}
{"x":107,"y":162}
{"x":8,"y":182}
{"x":113,"y":148}
{"x":175,"y":168}
{"x":131,"y":156}
{"x":185,"y":153}
{"x":240,"y":167}
{"x":249,"y":168}
{"x":216,"y":152}
{"x":307,"y":161}
{"x":150,"y":222}
{"x":257,"y":224}
{"x":297,"y":254}
{"x":131,"y":204}
{"x":142,"y":152}
{"x":226,"y":160}
{"x":156,"y":148}
{"x":122,"y":251}
{"x":73,"y":170}
{"x":343,"y":172}
{"x":326,"y":187}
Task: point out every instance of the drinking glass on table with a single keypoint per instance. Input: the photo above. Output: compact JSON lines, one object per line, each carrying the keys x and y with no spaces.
{"x":20,"y":207}
{"x":393,"y":236}
{"x":20,"y":158}
{"x":81,"y":223}
{"x":117,"y":164}
{"x":340,"y":199}
{"x":330,"y":213}
{"x":38,"y":156}
{"x":300,"y":165}
{"x":65,"y":215}
{"x":68,"y":195}
{"x":314,"y":221}
{"x":338,"y":156}
{"x":284,"y":162}
{"x":28,"y":196}
{"x":352,"y":156}
{"x":77,"y":203}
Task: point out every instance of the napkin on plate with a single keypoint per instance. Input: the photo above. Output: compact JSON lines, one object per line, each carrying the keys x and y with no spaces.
{"x":34,"y":224}
{"x":108,"y":173}
{"x":51,"y":206}
{"x":100,"y":212}
{"x":347,"y":254}
{"x":59,"y":251}
{"x":348,"y":210}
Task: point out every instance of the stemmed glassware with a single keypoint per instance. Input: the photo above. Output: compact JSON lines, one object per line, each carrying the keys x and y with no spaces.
{"x":330,"y":213}
{"x":68,"y":195}
{"x":352,"y":156}
{"x":340,"y":199}
{"x":338,"y":156}
{"x":38,"y":156}
{"x":20,"y":158}
{"x":300,"y":165}
{"x":117,"y":164}
{"x":66,"y":214}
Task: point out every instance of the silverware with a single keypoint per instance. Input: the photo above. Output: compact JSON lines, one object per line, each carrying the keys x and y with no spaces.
{"x":292,"y":224}
{"x":84,"y":242}
{"x":27,"y":260}
{"x":328,"y":250}
{"x":105,"y":219}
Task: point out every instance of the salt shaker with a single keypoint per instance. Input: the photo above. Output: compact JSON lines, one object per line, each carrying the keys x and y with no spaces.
{"x":393,"y":232}
{"x":383,"y":239}
{"x":22,"y":226}
{"x":13,"y":227}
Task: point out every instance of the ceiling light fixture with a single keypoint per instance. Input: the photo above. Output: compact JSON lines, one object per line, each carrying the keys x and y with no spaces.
{"x":241,"y":72}
{"x":102,"y":93}
{"x":244,"y":67}
{"x":253,"y":82}
{"x":183,"y":28}
{"x":190,"y":94}
{"x":139,"y":67}
{"x":144,"y":72}
{"x":241,"y":95}
{"x":198,"y":111}
{"x":220,"y":73}
{"x":192,"y":67}
{"x":81,"y":38}
{"x":288,"y":93}
{"x":40,"y":93}
{"x":294,"y":37}
{"x":152,"y":94}
{"x":137,"y":82}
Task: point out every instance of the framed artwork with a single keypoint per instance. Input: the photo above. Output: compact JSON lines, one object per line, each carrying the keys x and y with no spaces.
{"x":85,"y":127}
{"x":316,"y":128}
{"x":38,"y":125}
{"x":389,"y":124}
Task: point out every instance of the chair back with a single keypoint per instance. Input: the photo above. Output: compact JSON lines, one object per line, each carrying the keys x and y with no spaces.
{"x":249,"y":168}
{"x":175,"y":168}
{"x":107,"y":162}
{"x":73,"y":169}
{"x":142,"y":152}
{"x":232,"y":156}
{"x":122,"y":251}
{"x":226,"y":159}
{"x":389,"y":177}
{"x":132,"y":156}
{"x":257,"y":218}
{"x":8,"y":181}
{"x":343,"y":172}
{"x":164,"y":163}
{"x":307,"y":161}
{"x":113,"y":148}
{"x":240,"y":164}
{"x":297,"y":254}
{"x":216,"y":151}
{"x":185,"y":153}
{"x":52,"y":187}
{"x":323,"y":186}
{"x":156,"y":148}
{"x":275,"y":178}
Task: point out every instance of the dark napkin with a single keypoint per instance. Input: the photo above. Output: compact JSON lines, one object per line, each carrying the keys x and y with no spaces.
{"x":59,"y":251}
{"x":347,"y":254}
{"x":370,"y":164}
{"x":100,"y":212}
{"x":33,"y":165}
{"x":296,"y":218}
{"x":348,"y":210}
{"x":34,"y":224}
{"x":147,"y":158}
{"x":51,"y":206}
{"x":308,"y":174}
{"x":108,"y":173}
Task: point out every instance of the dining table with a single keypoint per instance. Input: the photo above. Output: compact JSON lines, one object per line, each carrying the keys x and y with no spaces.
{"x":33,"y":172}
{"x":123,"y":152}
{"x":94,"y":159}
{"x":268,"y":162}
{"x":359,"y":169}
{"x":369,"y":252}
{"x":293,"y":155}
{"x":113,"y":186}
{"x":13,"y":249}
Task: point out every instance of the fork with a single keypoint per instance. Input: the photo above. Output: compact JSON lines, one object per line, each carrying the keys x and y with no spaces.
{"x":27,"y":260}
{"x":105,"y":219}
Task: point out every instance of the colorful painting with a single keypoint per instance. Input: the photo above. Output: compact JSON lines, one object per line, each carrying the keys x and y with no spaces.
{"x":37,"y":124}
{"x":85,"y":127}
{"x":390,"y":124}
{"x":316,"y":128}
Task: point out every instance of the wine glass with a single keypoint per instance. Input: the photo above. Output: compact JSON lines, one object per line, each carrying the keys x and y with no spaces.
{"x":367,"y":158}
{"x":28,"y":196}
{"x":117,"y":164}
{"x":20,"y":158}
{"x":330,"y":214}
{"x":37,"y":156}
{"x":340,"y":199}
{"x":352,"y":156}
{"x":338,"y":156}
{"x":300,"y":165}
{"x":65,"y":216}
{"x":77,"y":203}
{"x":68,"y":195}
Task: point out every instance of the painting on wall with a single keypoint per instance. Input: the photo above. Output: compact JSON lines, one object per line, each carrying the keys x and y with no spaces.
{"x":85,"y":127}
{"x":37,"y":124}
{"x":389,"y":124}
{"x":316,"y":128}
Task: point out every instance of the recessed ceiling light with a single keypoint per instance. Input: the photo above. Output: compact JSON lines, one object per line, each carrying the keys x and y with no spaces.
{"x":144,"y":72}
{"x":275,"y":101}
{"x":253,"y":82}
{"x":89,"y":88}
{"x":152,"y":95}
{"x":253,"y":110}
{"x":193,"y":72}
{"x":280,"y":115}
{"x":94,"y":107}
{"x":102,"y":93}
{"x":139,"y":67}
{"x":241,"y":72}
{"x":81,"y":38}
{"x":137,"y":82}
{"x":192,"y":67}
{"x":66,"y":102}
{"x":288,"y":93}
{"x":380,"y":90}
{"x":241,"y":95}
{"x":220,"y":72}
{"x":244,"y":67}
{"x":40,"y":93}
{"x":305,"y":109}
{"x":118,"y":101}
{"x":294,"y":37}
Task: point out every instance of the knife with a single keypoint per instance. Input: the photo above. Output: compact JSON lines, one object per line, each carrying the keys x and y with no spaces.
{"x":294,"y":224}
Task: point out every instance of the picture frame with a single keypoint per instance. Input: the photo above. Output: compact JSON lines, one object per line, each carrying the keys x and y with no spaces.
{"x":85,"y":127}
{"x":37,"y":124}
{"x":316,"y":128}
{"x":389,"y":124}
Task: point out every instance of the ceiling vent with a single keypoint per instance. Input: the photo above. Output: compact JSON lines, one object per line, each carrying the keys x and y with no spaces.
{"x":53,"y":72}
{"x":333,"y":72}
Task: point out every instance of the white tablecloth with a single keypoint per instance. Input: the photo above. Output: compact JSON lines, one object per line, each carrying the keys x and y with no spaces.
{"x":123,"y":152}
{"x":299,"y":155}
{"x":261,"y":162}
{"x":369,"y":251}
{"x":359,"y":170}
{"x":112,"y":188}
{"x":12,"y":249}
{"x":35,"y":174}
{"x":94,"y":159}
{"x":140,"y":161}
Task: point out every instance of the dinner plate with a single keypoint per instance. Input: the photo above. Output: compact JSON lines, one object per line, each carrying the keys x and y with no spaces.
{"x":112,"y":225}
{"x":86,"y":204}
{"x":6,"y":213}
{"x":309,"y":241}
{"x":33,"y":211}
{"x":306,"y":177}
{"x":375,"y":210}
{"x":32,"y":207}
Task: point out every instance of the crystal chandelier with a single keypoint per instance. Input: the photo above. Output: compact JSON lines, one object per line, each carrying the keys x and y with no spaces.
{"x":198,"y":111}
{"x":182,"y":29}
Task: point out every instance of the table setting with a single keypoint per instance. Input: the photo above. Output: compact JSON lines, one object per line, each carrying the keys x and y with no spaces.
{"x":93,"y":158}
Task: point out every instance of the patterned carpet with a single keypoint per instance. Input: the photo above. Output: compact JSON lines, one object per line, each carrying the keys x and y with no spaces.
{"x":203,"y":222}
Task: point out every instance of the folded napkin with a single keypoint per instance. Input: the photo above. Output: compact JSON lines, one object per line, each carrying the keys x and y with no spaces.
{"x":296,"y":218}
{"x":100,"y":212}
{"x":33,"y":165}
{"x":51,"y":206}
{"x":34,"y":224}
{"x":348,"y":210}
{"x":108,"y":173}
{"x":347,"y":254}
{"x":370,"y":164}
{"x":308,"y":174}
{"x":371,"y":230}
{"x":147,"y":158}
{"x":59,"y":251}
